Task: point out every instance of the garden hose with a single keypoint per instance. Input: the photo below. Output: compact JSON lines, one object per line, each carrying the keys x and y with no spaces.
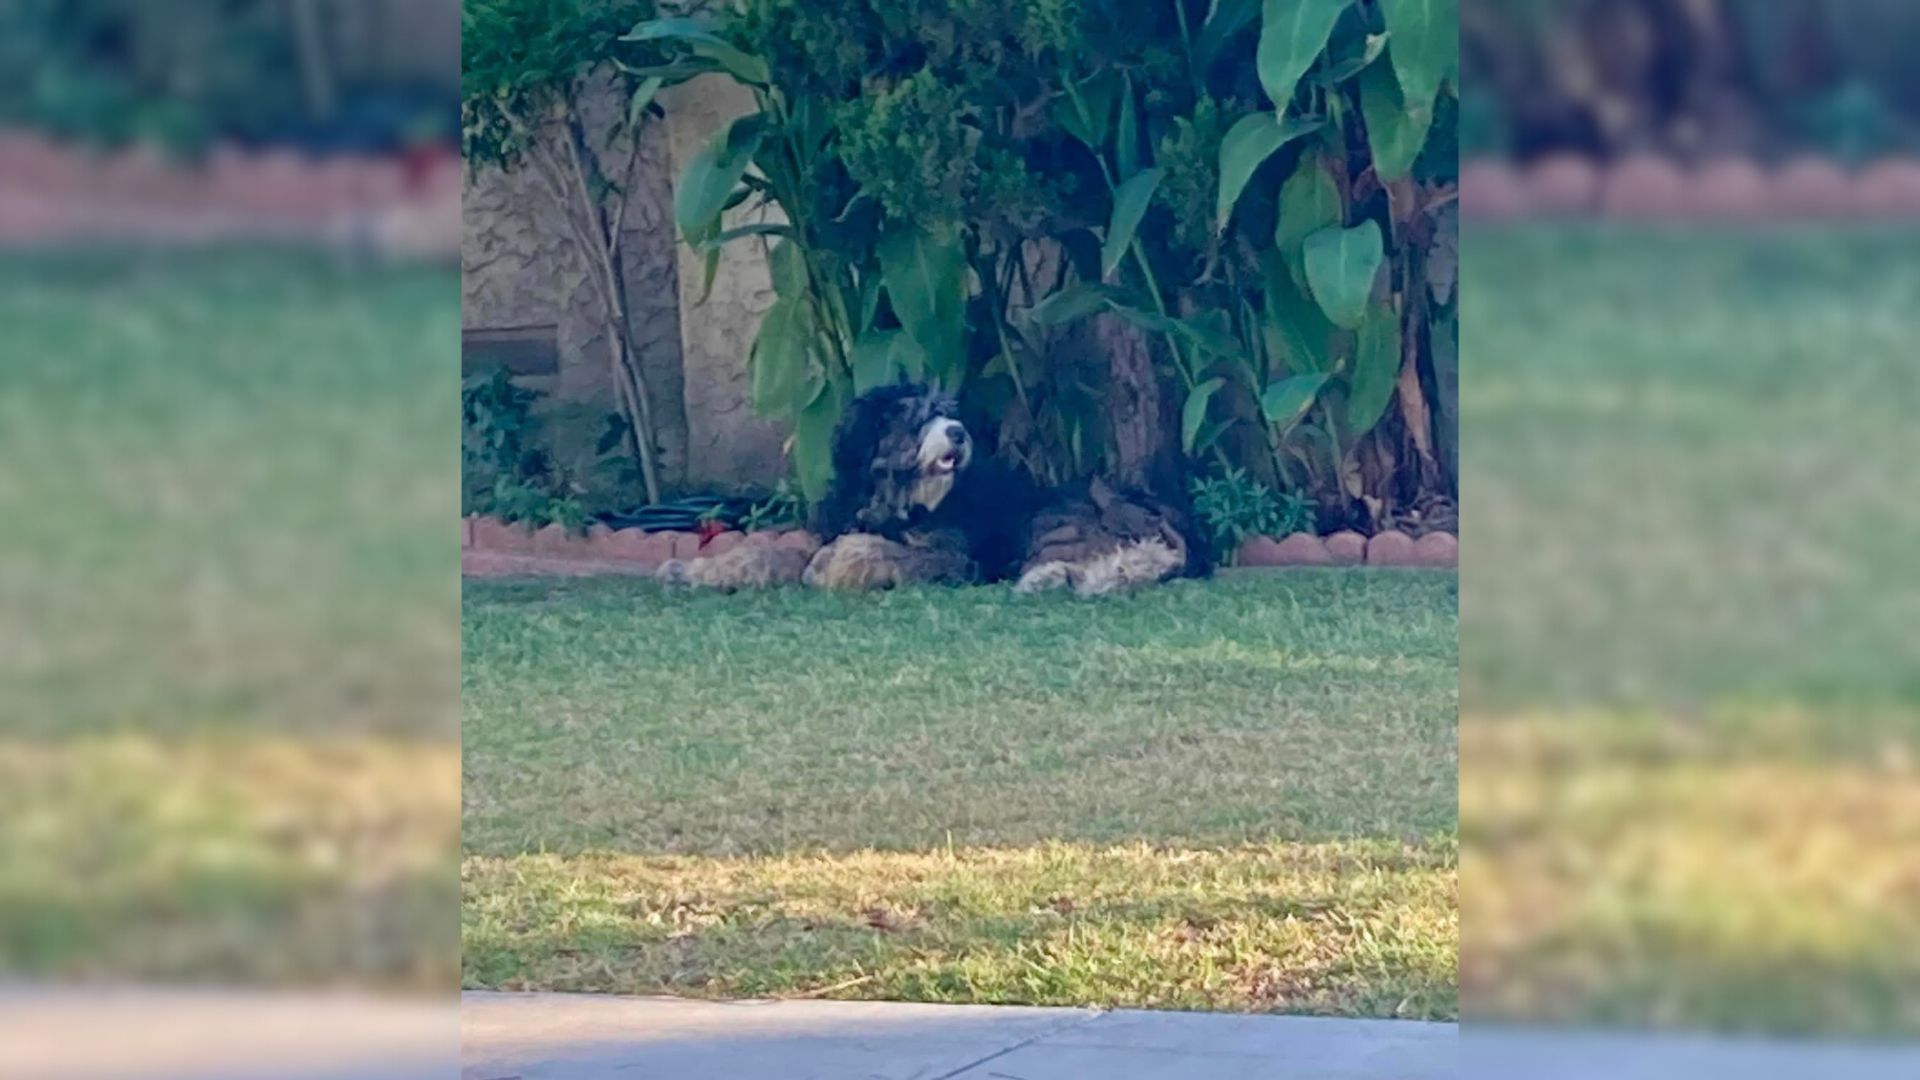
{"x":681,"y":515}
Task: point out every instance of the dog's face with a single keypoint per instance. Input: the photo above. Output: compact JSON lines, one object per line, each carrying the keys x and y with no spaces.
{"x":945,"y":449}
{"x":897,"y":453}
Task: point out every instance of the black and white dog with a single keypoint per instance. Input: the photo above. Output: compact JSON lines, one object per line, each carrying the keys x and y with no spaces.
{"x":915,"y":500}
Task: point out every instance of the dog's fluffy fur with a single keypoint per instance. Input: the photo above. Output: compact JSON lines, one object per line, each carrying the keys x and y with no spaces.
{"x":755,"y":567}
{"x":869,"y":561}
{"x":1145,"y":562}
{"x":1102,"y":543}
{"x":896,"y":457}
{"x":913,"y":502}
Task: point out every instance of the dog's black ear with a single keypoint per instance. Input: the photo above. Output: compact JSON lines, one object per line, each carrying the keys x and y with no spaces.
{"x":856,"y":443}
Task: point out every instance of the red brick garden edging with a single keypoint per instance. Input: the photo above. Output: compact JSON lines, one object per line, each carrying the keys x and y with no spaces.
{"x":1651,"y":188}
{"x":55,"y":192}
{"x":494,"y":548}
{"x":1389,"y":548}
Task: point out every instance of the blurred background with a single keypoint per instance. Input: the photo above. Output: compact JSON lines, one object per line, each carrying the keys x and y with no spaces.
{"x":204,"y":122}
{"x":228,"y":590}
{"x":229,"y":336}
{"x":1725,"y":109}
{"x":1689,"y":78}
{"x":1690,"y":708}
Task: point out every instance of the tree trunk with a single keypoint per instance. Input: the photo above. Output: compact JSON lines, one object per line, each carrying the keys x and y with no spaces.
{"x":1146,"y":449}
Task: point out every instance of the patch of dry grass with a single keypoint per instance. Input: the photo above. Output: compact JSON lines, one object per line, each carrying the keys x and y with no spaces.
{"x":1234,"y":794}
{"x":1689,"y":658}
{"x":613,"y":715}
{"x":1338,"y":928}
{"x":228,"y":597}
{"x":1633,"y":870}
{"x":259,"y":858}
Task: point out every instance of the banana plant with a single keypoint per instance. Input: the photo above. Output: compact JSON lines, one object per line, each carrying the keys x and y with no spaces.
{"x":1273,"y":208}
{"x":831,"y":259}
{"x":1345,"y":309}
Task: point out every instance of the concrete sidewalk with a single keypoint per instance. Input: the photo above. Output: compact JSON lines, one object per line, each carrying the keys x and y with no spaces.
{"x":578,"y":1037}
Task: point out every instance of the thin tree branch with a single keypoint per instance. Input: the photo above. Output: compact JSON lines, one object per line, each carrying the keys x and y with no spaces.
{"x":628,"y":352}
{"x":586,"y":222}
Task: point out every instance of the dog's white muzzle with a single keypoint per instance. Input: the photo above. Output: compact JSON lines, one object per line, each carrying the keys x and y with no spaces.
{"x":945,"y":449}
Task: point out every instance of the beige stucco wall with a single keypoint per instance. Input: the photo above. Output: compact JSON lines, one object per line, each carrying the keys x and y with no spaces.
{"x":727,"y":443}
{"x":519,"y":268}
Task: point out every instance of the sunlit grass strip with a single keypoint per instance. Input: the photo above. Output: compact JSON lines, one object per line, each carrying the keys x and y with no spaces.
{"x":1630,"y":871}
{"x":615,"y":716}
{"x":1364,"y":928}
{"x":260,"y":859}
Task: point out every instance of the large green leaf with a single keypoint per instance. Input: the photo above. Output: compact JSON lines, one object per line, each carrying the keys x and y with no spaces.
{"x":1443,"y":254}
{"x":705,"y":43}
{"x":1309,"y":202}
{"x":1227,"y":18}
{"x":1195,"y":412}
{"x":674,"y":73}
{"x":1130,"y":202}
{"x":926,"y":278}
{"x":873,"y":362}
{"x":882,"y":356}
{"x":1076,"y":301}
{"x":787,"y":268}
{"x":1251,"y":140}
{"x":1127,"y":139}
{"x":1396,"y":128}
{"x":1376,"y":364}
{"x":1211,"y":329}
{"x":1284,"y":402}
{"x":643,"y":96}
{"x":765,"y":228}
{"x":1296,"y":331}
{"x":1292,"y":34}
{"x":1424,"y":46}
{"x":1082,"y":249}
{"x":712,"y":175}
{"x":710,"y":270}
{"x":813,"y":439}
{"x":1349,"y":64}
{"x":868,"y":300}
{"x":1151,"y":321}
{"x":1086,"y":110}
{"x":1341,"y":266}
{"x":1210,"y":433}
{"x":783,"y":378}
{"x":1443,"y":335}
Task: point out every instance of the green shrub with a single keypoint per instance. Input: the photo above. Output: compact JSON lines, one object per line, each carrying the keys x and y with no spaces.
{"x":505,"y":469}
{"x":1234,"y":507}
{"x":187,"y":73}
{"x":783,"y":508}
{"x":529,"y":68}
{"x":1793,"y":75}
{"x":963,"y":182}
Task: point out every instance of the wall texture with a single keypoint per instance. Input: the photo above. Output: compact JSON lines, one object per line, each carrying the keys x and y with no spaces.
{"x":520,"y":269}
{"x":727,"y":444}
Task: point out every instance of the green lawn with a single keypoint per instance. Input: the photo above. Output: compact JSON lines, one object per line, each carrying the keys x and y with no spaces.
{"x":1231,"y":794}
{"x":228,"y":480}
{"x":1689,"y":694}
{"x":228,"y":604}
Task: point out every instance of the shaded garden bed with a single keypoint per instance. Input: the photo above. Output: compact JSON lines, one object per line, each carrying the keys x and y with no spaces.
{"x":1652,"y":188}
{"x":494,"y":548}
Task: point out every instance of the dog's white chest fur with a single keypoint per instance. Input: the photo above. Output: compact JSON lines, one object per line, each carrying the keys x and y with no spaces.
{"x":929,"y":490}
{"x":944,"y":451}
